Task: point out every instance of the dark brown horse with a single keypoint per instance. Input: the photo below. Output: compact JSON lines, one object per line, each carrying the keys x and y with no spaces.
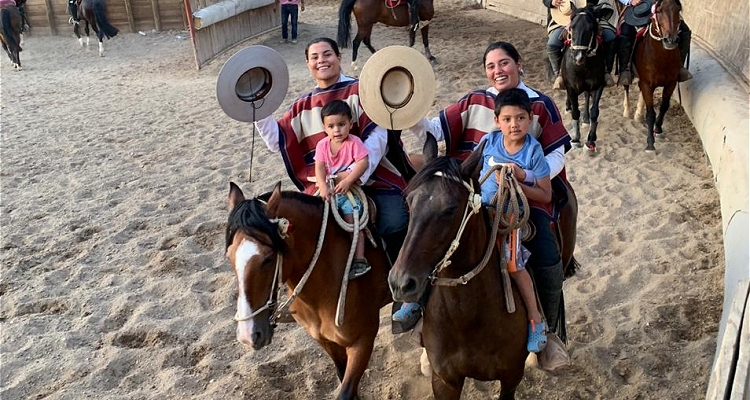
{"x":467,"y":331}
{"x":370,"y":12}
{"x":272,"y":240}
{"x":94,"y":13}
{"x":11,"y":26}
{"x":657,"y":61}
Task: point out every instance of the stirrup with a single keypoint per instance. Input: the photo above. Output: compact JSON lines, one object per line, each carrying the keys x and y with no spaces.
{"x":559,"y":83}
{"x":684,"y":75}
{"x":608,"y":81}
{"x":625,"y":78}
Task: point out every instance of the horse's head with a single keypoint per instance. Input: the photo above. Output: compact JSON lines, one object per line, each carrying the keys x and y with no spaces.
{"x":253,"y":242}
{"x":666,"y":19}
{"x":584,"y":29}
{"x":437,"y":198}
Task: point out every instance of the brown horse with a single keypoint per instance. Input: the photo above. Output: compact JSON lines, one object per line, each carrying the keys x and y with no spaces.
{"x":370,"y":12}
{"x":272,"y":240}
{"x":94,"y":13}
{"x":11,"y":26}
{"x":657,"y":61}
{"x":467,"y":330}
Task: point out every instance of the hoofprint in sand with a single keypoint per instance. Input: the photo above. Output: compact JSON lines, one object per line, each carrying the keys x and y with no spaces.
{"x":113,"y":184}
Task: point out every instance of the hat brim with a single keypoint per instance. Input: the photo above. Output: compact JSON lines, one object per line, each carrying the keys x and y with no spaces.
{"x":563,"y":14}
{"x":423,"y":86}
{"x":631,"y":19}
{"x":273,"y":65}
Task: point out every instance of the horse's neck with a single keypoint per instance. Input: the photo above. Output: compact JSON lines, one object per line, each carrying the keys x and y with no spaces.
{"x":304,"y":230}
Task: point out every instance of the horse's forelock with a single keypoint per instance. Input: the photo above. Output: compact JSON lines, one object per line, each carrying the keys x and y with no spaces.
{"x":250,"y":215}
{"x":446,"y":166}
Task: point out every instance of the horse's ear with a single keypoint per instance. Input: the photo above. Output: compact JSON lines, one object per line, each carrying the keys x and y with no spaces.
{"x":473,"y":164}
{"x":573,"y":10}
{"x":235,"y":196}
{"x":272,"y":206}
{"x":430,"y":148}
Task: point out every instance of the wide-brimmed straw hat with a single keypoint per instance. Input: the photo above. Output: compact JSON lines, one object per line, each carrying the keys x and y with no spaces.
{"x":252,"y":84}
{"x":564,"y":13}
{"x":397,"y":87}
{"x":640,"y":14}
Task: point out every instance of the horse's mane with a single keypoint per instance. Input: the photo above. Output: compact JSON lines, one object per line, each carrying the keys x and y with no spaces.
{"x":250,"y":215}
{"x":446,"y":165}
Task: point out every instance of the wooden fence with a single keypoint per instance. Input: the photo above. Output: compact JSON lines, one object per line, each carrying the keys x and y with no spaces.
{"x":48,"y":17}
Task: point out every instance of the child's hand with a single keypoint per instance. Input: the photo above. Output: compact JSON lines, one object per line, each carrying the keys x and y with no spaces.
{"x":325,"y":193}
{"x":342,"y":187}
{"x":517,"y":171}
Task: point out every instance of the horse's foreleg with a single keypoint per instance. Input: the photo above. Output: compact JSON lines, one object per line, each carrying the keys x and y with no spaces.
{"x":666,"y":96}
{"x":626,"y":103}
{"x":591,"y":140}
{"x":86,"y":29}
{"x":586,"y":116}
{"x":647,"y":96}
{"x":357,"y":357}
{"x":425,"y":31}
{"x":639,"y":113}
{"x":575,"y":113}
{"x":412,"y":37}
{"x":444,"y":389}
{"x":100,"y":36}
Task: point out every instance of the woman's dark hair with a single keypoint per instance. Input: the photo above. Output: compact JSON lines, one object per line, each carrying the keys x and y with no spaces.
{"x":505,"y":46}
{"x":330,"y":41}
{"x":336,"y":107}
{"x":512,"y":97}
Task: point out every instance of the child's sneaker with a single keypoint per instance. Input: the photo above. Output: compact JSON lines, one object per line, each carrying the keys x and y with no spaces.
{"x":407,"y":312}
{"x":537,"y":337}
{"x":359,"y":268}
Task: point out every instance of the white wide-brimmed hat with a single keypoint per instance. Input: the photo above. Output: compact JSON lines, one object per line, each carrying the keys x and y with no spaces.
{"x":563,"y":13}
{"x":252,"y":84}
{"x":397,"y":87}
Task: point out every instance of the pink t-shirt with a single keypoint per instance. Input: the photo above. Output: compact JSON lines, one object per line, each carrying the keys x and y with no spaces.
{"x":289,"y":2}
{"x":351,"y":151}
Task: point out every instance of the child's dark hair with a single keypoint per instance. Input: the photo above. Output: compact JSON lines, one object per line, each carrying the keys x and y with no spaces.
{"x":336,"y":107}
{"x":512,"y":97}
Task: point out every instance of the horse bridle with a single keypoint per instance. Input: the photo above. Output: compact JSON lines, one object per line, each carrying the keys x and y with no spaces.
{"x":590,"y":51}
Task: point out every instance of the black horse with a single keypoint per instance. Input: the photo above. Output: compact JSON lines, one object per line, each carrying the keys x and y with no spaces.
{"x":91,"y":12}
{"x":10,"y":33}
{"x":583,"y":68}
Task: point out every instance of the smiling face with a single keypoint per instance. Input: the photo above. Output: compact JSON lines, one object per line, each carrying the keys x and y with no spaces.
{"x":514,"y":122}
{"x":324,"y":64}
{"x":502,"y":71}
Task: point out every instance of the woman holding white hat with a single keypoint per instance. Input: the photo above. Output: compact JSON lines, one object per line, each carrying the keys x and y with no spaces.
{"x":463,"y":124}
{"x":297,"y":132}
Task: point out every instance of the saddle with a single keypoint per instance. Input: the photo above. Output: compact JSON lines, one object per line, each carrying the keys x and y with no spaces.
{"x":394,"y":3}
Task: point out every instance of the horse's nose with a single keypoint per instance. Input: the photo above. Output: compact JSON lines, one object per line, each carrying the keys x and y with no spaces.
{"x":403,"y":287}
{"x":670,"y":43}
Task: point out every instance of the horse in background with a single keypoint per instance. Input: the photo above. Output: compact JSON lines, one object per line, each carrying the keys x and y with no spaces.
{"x":11,"y":26}
{"x":91,"y":12}
{"x":583,"y":68}
{"x":370,"y":12}
{"x":657,"y":61}
{"x":467,"y":329}
{"x":283,"y":238}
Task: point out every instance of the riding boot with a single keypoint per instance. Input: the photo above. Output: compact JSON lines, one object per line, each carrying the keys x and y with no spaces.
{"x":549,"y":283}
{"x":609,"y":58}
{"x":684,"y":45}
{"x":555,"y":59}
{"x":413,"y":14}
{"x":624,"y":49}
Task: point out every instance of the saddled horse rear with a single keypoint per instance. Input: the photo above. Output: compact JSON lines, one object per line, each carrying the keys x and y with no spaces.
{"x":287,"y":238}
{"x":370,"y":12}
{"x":94,"y":13}
{"x":11,"y":26}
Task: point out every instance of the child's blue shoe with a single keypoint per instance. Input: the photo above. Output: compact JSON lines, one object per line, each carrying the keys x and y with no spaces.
{"x":537,"y":337}
{"x":407,"y":312}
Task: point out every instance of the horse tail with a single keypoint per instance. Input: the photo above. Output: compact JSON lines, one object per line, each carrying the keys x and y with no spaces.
{"x":102,"y":21}
{"x":345,"y":18}
{"x":8,"y":35}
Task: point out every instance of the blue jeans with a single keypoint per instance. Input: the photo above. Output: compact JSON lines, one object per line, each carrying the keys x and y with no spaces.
{"x":555,"y":41}
{"x":346,"y":207}
{"x":546,"y":267}
{"x":392,"y":216}
{"x":289,"y":10}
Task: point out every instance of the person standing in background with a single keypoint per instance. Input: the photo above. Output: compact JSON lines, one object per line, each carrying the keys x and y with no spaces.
{"x":290,"y":9}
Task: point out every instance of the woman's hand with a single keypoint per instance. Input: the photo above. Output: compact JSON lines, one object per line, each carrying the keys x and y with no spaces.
{"x":556,"y":3}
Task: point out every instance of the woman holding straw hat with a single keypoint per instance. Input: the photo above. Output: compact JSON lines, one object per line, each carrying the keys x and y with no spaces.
{"x":463,"y":124}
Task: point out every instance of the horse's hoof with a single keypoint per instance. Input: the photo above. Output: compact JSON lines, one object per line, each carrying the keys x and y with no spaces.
{"x":354,"y":65}
{"x":658,"y":131}
{"x":433,"y":60}
{"x":575,"y":143}
{"x":651,"y":149}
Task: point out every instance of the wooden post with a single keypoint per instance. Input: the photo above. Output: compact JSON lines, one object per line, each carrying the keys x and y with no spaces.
{"x":157,"y":17}
{"x":129,"y":11}
{"x":50,"y":17}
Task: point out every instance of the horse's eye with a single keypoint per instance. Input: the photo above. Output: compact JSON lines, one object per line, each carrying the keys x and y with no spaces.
{"x":450,"y":211}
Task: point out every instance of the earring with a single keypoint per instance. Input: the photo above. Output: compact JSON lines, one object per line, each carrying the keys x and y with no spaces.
{"x":521,"y":73}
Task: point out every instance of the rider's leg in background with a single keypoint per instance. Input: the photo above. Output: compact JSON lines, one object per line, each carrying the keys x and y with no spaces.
{"x":608,"y":48}
{"x":554,"y":52}
{"x":624,"y":48}
{"x":684,"y":38}
{"x":413,"y":13}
